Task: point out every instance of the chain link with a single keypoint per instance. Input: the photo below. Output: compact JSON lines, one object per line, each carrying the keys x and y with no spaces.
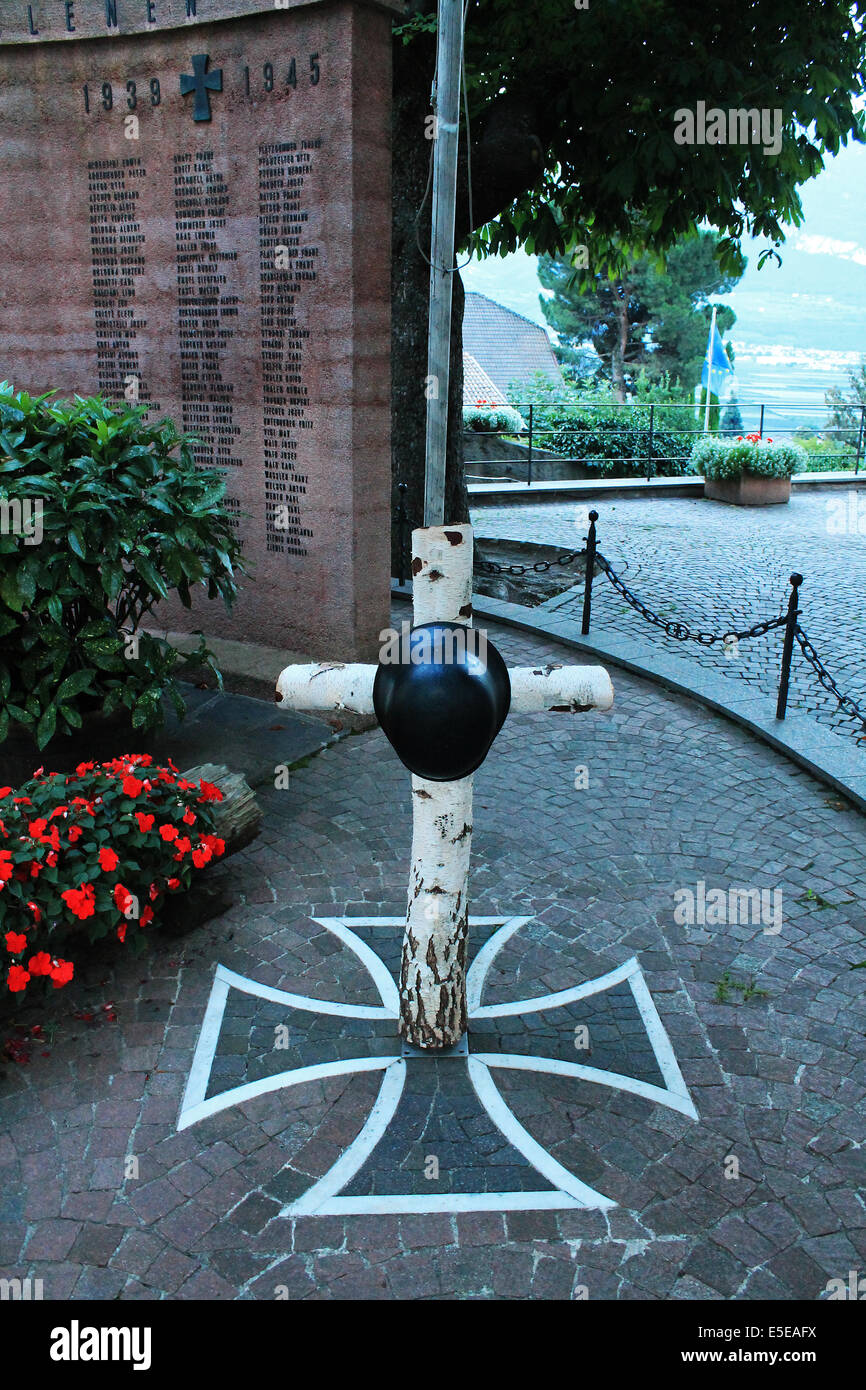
{"x":540,"y":566}
{"x":844,"y":702}
{"x":681,"y":631}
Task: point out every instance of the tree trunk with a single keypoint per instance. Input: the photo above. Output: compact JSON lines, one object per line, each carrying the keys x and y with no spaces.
{"x":237,"y":820}
{"x":238,"y":817}
{"x":433,"y":969}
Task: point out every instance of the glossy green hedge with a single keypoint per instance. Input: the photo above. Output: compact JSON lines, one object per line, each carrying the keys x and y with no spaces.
{"x":125,"y":517}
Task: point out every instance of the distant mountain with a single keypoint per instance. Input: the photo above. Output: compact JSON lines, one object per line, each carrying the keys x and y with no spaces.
{"x":799,"y":325}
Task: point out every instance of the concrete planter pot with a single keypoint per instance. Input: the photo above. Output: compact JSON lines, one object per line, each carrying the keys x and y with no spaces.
{"x":749,"y":490}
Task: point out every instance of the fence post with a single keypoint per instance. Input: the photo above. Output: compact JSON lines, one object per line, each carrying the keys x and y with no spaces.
{"x":529,"y":457}
{"x":649,"y":461}
{"x":402,"y":522}
{"x":788,"y":649}
{"x":761,"y":426}
{"x":860,"y":433}
{"x":590,"y":566}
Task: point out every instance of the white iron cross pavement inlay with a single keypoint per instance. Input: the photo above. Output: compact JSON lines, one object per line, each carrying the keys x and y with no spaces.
{"x":479,"y":1172}
{"x":433,"y":973}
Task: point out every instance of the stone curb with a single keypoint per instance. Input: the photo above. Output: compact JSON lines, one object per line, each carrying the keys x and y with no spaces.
{"x":799,"y":737}
{"x":493,"y":494}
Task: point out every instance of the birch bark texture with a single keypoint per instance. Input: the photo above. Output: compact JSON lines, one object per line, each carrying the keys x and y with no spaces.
{"x":433,"y":965}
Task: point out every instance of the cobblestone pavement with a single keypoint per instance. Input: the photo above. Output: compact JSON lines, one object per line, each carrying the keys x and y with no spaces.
{"x":101,"y":1196}
{"x":717,"y":567}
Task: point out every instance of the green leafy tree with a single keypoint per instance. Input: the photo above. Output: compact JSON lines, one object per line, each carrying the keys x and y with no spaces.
{"x":652,"y":317}
{"x":572,"y":116}
{"x":846,"y":407}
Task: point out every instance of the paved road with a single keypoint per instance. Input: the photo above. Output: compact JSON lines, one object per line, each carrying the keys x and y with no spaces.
{"x":714,"y":567}
{"x":759,"y":1197}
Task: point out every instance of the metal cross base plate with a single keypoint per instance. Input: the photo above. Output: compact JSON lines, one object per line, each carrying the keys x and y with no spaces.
{"x":439,"y":1135}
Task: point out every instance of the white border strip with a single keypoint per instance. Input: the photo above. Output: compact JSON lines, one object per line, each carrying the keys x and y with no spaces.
{"x":382,"y":977}
{"x":555,"y":1067}
{"x":661,"y":1045}
{"x":301,"y":1001}
{"x":449,"y":1202}
{"x":476,"y":977}
{"x":315,"y":1199}
{"x":321,"y":1071}
{"x":563,"y":996}
{"x":522,"y":1140}
{"x":205,"y":1048}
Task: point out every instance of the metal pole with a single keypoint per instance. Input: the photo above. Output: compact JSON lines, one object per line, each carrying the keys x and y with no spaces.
{"x":449,"y":51}
{"x":402,"y":527}
{"x":649,"y":460}
{"x":860,"y":439}
{"x":761,"y":425}
{"x":710,"y":368}
{"x":590,"y":566}
{"x":529,"y":459}
{"x":788,"y":649}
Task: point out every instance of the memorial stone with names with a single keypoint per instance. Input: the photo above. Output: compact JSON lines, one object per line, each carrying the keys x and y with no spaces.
{"x":195,"y":215}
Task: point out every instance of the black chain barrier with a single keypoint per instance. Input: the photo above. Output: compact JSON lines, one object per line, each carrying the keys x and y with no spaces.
{"x":845,"y":702}
{"x":681,"y":631}
{"x":540,"y":566}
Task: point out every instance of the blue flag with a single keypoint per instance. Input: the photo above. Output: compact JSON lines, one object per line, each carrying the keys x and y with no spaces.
{"x":717,"y":368}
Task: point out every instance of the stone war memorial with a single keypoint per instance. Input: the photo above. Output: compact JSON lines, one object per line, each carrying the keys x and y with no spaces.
{"x":195,"y":198}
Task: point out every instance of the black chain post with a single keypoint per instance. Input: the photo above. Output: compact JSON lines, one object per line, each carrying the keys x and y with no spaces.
{"x":788,"y":649}
{"x":529,"y":455}
{"x":402,"y":526}
{"x":649,"y":459}
{"x":590,"y":566}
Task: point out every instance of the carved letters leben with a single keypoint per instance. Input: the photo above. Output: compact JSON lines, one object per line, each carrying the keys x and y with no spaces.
{"x":204,"y":231}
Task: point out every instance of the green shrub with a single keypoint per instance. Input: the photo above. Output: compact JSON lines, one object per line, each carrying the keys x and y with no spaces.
{"x":730,"y":458}
{"x":111,"y":516}
{"x":590,"y":427}
{"x":493,"y":417}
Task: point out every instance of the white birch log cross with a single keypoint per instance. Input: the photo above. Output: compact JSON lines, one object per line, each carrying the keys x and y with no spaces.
{"x":433,"y":972}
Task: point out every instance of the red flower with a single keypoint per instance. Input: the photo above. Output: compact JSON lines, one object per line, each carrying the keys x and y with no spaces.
{"x":4,"y":791}
{"x":189,"y":817}
{"x":146,"y":916}
{"x":145,"y":822}
{"x":81,"y":900}
{"x":131,"y":786}
{"x":62,"y":972}
{"x":121,"y":931}
{"x":6,"y":868}
{"x":214,"y":844}
{"x":183,"y":846}
{"x":108,"y":860}
{"x":202,"y":856}
{"x":209,"y":792}
{"x":40,"y":964}
{"x":75,"y":833}
{"x":168,"y":832}
{"x":173,"y":883}
{"x":16,"y":942}
{"x":122,"y":897}
{"x":36,"y":910}
{"x":36,"y":829}
{"x":17,"y":978}
{"x":153,"y":892}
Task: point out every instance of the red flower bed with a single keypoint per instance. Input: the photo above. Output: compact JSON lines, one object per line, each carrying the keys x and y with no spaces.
{"x":95,"y":852}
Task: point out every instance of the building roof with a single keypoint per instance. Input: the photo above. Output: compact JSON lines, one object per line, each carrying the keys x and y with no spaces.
{"x":508,"y":348}
{"x":477,"y":385}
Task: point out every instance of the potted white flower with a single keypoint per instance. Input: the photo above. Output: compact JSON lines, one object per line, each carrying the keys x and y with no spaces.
{"x":748,"y":471}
